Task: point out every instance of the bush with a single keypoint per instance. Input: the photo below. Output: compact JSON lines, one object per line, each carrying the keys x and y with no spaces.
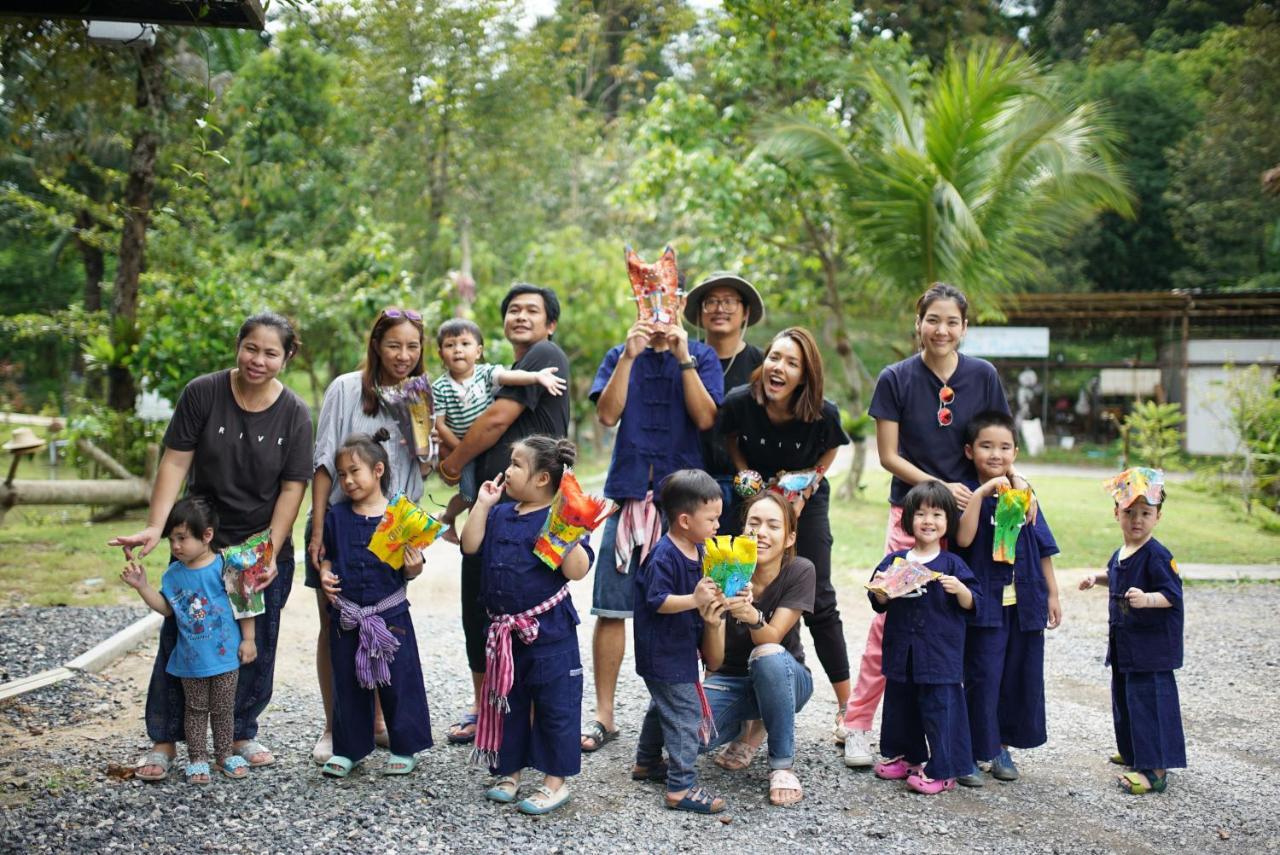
{"x":1155,"y":437}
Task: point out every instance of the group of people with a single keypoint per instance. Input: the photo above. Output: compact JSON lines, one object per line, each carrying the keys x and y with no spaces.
{"x":959,"y":662}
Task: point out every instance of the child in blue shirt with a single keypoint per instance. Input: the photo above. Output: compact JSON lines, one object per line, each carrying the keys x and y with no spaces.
{"x":211,"y":647}
{"x":1144,"y":646}
{"x":1004,"y":645}
{"x":923,"y":654}
{"x":673,"y":602}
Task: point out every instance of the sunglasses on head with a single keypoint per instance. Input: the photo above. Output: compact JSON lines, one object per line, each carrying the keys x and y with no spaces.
{"x":393,"y":313}
{"x":946,"y":396}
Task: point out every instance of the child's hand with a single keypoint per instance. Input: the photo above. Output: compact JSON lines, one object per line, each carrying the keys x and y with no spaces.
{"x":712,"y":613}
{"x":1088,"y":582}
{"x":993,"y":486}
{"x":1055,"y":612}
{"x":413,"y":561}
{"x":248,"y":651}
{"x":547,"y":378}
{"x":330,"y":584}
{"x":951,"y":584}
{"x":133,"y":575}
{"x":489,"y":493}
{"x":1137,"y":598}
{"x":705,"y":592}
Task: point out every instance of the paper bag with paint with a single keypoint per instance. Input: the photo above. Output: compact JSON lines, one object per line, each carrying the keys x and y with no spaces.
{"x":243,"y":568}
{"x":902,"y":578}
{"x":573,"y":516}
{"x":403,"y":524}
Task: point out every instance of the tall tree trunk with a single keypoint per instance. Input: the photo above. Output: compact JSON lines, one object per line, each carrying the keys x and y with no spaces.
{"x":92,"y":260}
{"x":121,"y":389}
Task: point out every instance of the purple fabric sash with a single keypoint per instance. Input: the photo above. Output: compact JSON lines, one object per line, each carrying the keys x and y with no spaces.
{"x":377,"y":646}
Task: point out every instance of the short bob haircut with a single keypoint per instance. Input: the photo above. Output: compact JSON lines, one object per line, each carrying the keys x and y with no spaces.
{"x":806,"y":401}
{"x":789,"y":520}
{"x":686,"y":490}
{"x":369,"y":378}
{"x":194,"y":512}
{"x":929,"y":494}
{"x":986,"y":419}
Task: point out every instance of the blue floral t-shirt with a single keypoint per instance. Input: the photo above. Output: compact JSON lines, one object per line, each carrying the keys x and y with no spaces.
{"x":208,"y":635}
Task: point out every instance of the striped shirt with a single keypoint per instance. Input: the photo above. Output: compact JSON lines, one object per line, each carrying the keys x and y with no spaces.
{"x":461,"y":403}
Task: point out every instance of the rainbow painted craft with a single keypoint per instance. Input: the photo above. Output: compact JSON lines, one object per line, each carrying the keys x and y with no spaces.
{"x":403,"y":524}
{"x":1011,"y":514}
{"x":1135,"y":482}
{"x":792,"y":484}
{"x":574,"y":515}
{"x":730,"y":561}
{"x":902,"y":578}
{"x":243,"y":567}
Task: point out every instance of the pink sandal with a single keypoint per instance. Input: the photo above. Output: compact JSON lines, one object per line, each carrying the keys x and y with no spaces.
{"x":895,"y":769}
{"x":922,"y":783}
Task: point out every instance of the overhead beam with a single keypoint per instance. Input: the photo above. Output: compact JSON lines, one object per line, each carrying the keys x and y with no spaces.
{"x":237,"y":14}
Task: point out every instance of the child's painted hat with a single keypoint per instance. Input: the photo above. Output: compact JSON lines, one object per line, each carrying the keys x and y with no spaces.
{"x":1135,"y":482}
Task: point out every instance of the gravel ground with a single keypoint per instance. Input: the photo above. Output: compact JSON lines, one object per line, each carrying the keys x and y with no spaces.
{"x":57,"y":793}
{"x":36,"y":639}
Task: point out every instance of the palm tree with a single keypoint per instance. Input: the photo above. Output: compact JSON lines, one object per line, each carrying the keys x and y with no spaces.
{"x":967,"y":177}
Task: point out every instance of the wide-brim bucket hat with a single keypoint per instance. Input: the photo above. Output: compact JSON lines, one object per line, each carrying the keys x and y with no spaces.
{"x":23,"y":439}
{"x":724,"y":279}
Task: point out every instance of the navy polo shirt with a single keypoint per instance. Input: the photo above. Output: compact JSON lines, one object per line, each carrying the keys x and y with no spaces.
{"x":667,"y":645}
{"x":655,"y":434}
{"x":1145,"y":639}
{"x":514,"y":579}
{"x":929,"y":629}
{"x":907,"y":393}
{"x":1035,"y":541}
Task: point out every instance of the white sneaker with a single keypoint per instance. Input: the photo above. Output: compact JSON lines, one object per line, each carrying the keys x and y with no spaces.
{"x":857,"y":749}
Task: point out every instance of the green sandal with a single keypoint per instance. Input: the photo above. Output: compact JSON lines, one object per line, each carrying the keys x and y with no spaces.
{"x":337,"y":766}
{"x":1118,"y":759}
{"x":398,"y":764}
{"x":1133,"y":783}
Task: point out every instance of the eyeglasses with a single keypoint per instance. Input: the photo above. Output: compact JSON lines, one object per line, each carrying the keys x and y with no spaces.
{"x":946,"y":396}
{"x":726,"y":303}
{"x":393,"y":312}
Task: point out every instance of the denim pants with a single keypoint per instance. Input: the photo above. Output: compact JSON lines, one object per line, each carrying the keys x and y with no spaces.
{"x":776,"y":688}
{"x":674,"y":715}
{"x":165,"y":701}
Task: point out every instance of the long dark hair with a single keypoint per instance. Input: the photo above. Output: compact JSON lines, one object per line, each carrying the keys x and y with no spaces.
{"x":372,"y":363}
{"x":806,"y":401}
{"x":789,"y":520}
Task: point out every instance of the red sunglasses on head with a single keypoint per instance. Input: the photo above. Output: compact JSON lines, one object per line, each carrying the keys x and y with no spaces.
{"x":946,"y":395}
{"x":393,"y":312}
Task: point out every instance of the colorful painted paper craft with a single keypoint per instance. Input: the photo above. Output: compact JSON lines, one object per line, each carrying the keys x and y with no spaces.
{"x":901,"y":579}
{"x":1135,"y":482}
{"x":730,"y":561}
{"x":415,"y":395}
{"x":574,"y":515}
{"x":403,"y":524}
{"x":747,"y":483}
{"x":792,"y":484}
{"x":656,"y":287}
{"x":1011,"y":514}
{"x":243,"y":567}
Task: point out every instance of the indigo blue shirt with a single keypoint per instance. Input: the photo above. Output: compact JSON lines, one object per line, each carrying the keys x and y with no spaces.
{"x":667,"y":645}
{"x":907,"y":393}
{"x":513,"y":579}
{"x":364,"y":578}
{"x":1145,"y":639}
{"x":1035,"y":541}
{"x":656,"y":436}
{"x":208,"y":635}
{"x":929,"y":629}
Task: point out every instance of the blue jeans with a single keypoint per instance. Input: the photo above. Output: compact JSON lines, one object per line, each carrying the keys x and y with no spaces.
{"x":776,"y":688}
{"x":673,"y":718}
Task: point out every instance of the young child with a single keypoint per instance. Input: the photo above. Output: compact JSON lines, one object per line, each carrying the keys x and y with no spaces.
{"x":532,"y":696}
{"x":923,"y":659}
{"x":464,"y":392}
{"x":1004,"y":645}
{"x":1144,"y":644}
{"x":371,"y":639}
{"x":211,"y":648}
{"x":672,"y":605}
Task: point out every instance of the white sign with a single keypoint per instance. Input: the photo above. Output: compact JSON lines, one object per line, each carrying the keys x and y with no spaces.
{"x":1006,"y":342}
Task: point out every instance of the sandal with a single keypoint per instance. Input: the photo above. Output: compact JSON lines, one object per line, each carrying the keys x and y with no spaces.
{"x":544,"y":801}
{"x":1139,"y":783}
{"x":784,"y":781}
{"x":400,"y":764}
{"x":463,"y":731}
{"x":655,"y":772}
{"x":896,"y":769}
{"x":252,"y":749}
{"x":922,"y":783}
{"x":503,"y":791}
{"x":337,"y":766}
{"x":234,"y":767}
{"x":598,"y":735}
{"x":197,"y":773}
{"x":697,"y":800}
{"x":153,"y":758}
{"x":1117,"y":759}
{"x":736,"y":756}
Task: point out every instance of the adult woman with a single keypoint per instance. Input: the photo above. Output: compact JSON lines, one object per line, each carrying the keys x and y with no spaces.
{"x":921,"y":406}
{"x":780,"y":423}
{"x":762,"y":675}
{"x":242,"y":440}
{"x":351,"y":404}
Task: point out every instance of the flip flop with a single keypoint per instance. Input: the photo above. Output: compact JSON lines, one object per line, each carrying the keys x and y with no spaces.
{"x":195,"y":771}
{"x":153,"y":758}
{"x":698,"y":800}
{"x":234,"y":767}
{"x":455,"y":734}
{"x":337,"y":766}
{"x":1117,"y":759}
{"x":400,"y":764}
{"x":1132,"y":783}
{"x":499,"y":792}
{"x":736,"y":756}
{"x":543,"y":801}
{"x":784,"y":780}
{"x":252,"y":749}
{"x":597,"y":733}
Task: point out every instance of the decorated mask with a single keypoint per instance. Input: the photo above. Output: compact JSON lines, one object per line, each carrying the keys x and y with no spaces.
{"x":656,"y":287}
{"x":730,"y":561}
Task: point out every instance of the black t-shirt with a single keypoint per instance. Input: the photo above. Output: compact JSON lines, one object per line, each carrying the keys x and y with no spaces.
{"x":543,"y":412}
{"x":770,"y":448}
{"x":792,"y":589}
{"x":737,"y":372}
{"x":241,"y":458}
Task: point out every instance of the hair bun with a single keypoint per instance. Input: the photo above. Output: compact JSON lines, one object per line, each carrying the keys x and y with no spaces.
{"x":566,"y":451}
{"x":381,"y":435}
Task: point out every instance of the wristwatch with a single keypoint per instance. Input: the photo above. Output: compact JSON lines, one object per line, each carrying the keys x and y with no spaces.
{"x":689,"y":366}
{"x":760,"y":621}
